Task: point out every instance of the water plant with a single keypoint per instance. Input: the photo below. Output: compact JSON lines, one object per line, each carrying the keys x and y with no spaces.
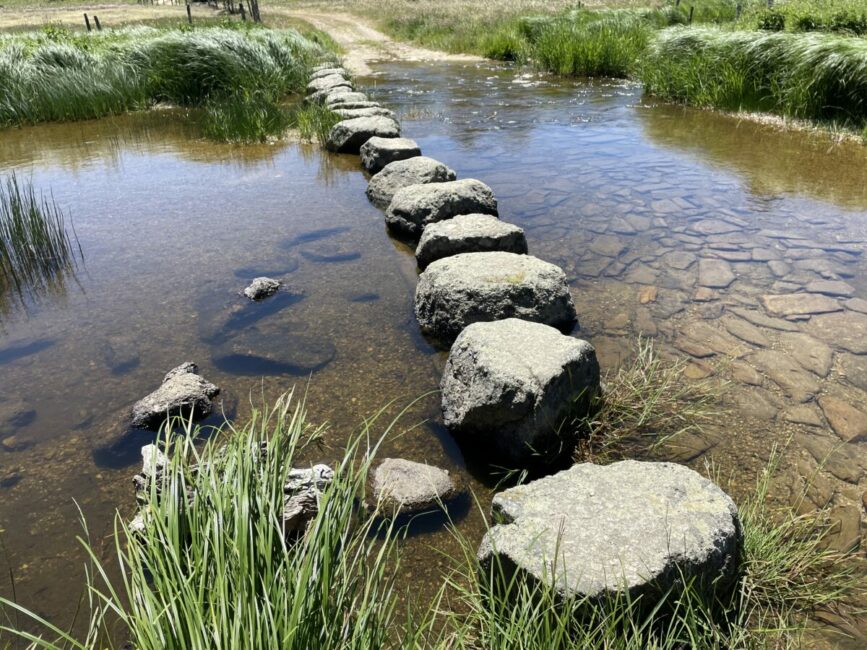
{"x":313,"y":121}
{"x":36,"y":246}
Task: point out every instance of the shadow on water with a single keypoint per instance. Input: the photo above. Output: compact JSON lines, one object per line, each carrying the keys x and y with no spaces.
{"x":217,"y":324}
{"x":424,"y":523}
{"x":254,"y":365}
{"x":250,"y":272}
{"x":15,"y":352}
{"x":312,"y":236}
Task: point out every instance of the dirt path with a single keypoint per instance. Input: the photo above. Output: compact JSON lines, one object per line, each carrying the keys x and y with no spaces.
{"x":363,"y":44}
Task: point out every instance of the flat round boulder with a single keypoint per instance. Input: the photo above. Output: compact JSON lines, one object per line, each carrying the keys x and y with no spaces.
{"x":327,"y":83}
{"x":329,"y":71}
{"x":416,"y":206}
{"x":419,"y":170}
{"x":372,"y":111}
{"x":468,"y":233}
{"x":322,"y":96}
{"x":478,"y":287}
{"x":348,"y":136}
{"x":337,"y":98}
{"x":636,"y":527}
{"x":511,"y":385}
{"x":406,"y":486}
{"x":379,"y":152}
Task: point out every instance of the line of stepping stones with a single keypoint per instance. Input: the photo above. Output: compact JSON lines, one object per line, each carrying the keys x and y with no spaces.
{"x":512,"y":380}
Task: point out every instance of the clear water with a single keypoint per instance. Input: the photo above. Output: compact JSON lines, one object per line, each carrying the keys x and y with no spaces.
{"x":173,"y":227}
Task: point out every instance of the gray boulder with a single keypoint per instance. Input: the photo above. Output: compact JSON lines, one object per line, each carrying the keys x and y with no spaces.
{"x":322,"y":96}
{"x":416,"y":206}
{"x":328,"y":83}
{"x":419,"y":170}
{"x":348,"y":136}
{"x":468,"y":233}
{"x":327,"y":72}
{"x":373,"y":111}
{"x":354,"y":105}
{"x":337,"y":98}
{"x":513,"y":385}
{"x":262,"y":288}
{"x":476,"y":287}
{"x":379,"y":152}
{"x":301,"y":494}
{"x":629,"y":526}
{"x":183,"y":392}
{"x":405,"y":486}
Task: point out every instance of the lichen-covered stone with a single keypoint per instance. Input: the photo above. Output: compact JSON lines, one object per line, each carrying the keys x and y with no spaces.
{"x":183,"y":392}
{"x":348,"y":136}
{"x":419,"y":170}
{"x":379,"y":152}
{"x":416,"y":206}
{"x":468,"y":233}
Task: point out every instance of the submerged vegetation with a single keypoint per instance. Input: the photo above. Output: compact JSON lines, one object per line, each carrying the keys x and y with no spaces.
{"x":213,"y":568}
{"x":36,"y":248}
{"x":238,"y":76}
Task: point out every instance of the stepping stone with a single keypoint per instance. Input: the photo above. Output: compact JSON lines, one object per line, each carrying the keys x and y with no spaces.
{"x":373,"y":111}
{"x":714,"y":273}
{"x":326,"y":83}
{"x":338,"y":99}
{"x":468,"y":233}
{"x":321,"y":97}
{"x":348,"y":136}
{"x":511,"y":384}
{"x":475,"y":287}
{"x":849,"y":423}
{"x":416,"y":206}
{"x":635,"y":527}
{"x":845,"y":330}
{"x":405,"y":486}
{"x":262,"y":288}
{"x":418,"y":170}
{"x":183,"y":393}
{"x":379,"y":152}
{"x":329,"y":71}
{"x":799,"y":304}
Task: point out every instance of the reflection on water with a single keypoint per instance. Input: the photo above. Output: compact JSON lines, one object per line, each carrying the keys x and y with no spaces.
{"x":622,"y":195}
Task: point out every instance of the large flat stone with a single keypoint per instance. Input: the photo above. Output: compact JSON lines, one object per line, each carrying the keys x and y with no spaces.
{"x":799,"y":304}
{"x":417,"y":170}
{"x":780,"y":368}
{"x":468,"y":233}
{"x":715,"y":273}
{"x":416,"y":206}
{"x":745,"y":331}
{"x":844,"y":331}
{"x":849,"y":423}
{"x":376,"y":153}
{"x":633,"y":527}
{"x":811,"y":353}
{"x":511,"y":384}
{"x":760,"y":319}
{"x":405,"y":486}
{"x":348,"y":136}
{"x":478,"y":287}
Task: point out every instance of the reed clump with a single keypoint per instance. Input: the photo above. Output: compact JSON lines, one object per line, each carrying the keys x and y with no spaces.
{"x":37,"y":242}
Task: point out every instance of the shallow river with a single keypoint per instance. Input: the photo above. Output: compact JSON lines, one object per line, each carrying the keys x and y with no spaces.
{"x":622,"y":194}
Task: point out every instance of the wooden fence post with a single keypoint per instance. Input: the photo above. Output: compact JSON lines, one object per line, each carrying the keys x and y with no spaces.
{"x":87,"y":22}
{"x":96,"y":22}
{"x":243,"y":13}
{"x":189,"y":14}
{"x":691,"y":9}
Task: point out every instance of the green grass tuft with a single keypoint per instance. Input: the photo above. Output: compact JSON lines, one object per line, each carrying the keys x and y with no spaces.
{"x":313,"y":122}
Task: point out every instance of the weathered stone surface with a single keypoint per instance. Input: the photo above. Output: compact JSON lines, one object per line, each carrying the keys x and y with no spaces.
{"x":511,"y":384}
{"x":680,"y":260}
{"x":745,"y":331}
{"x":183,"y":392}
{"x":416,"y":206}
{"x":468,"y":233}
{"x":405,"y":486}
{"x":376,"y":153}
{"x":370,"y":111}
{"x":746,"y":374}
{"x":14,"y":414}
{"x":799,"y":304}
{"x":803,"y":414}
{"x":647,"y":295}
{"x":812,"y":354}
{"x":854,"y":369}
{"x":348,"y":136}
{"x":844,"y":331}
{"x":471,"y":287}
{"x":261,"y":288}
{"x":628,"y":526}
{"x":327,"y":82}
{"x":841,"y":460}
{"x":418,"y":170}
{"x":715,"y":273}
{"x":301,"y":494}
{"x":856,"y":304}
{"x":831,"y":288}
{"x":327,"y":72}
{"x":607,"y":246}
{"x":753,"y":402}
{"x":709,"y":336}
{"x":322,"y":96}
{"x":343,"y":97}
{"x":796,"y":382}
{"x":849,"y":423}
{"x":758,"y":318}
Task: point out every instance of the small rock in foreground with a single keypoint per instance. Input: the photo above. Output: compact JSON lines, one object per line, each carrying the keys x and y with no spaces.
{"x":348,"y":136}
{"x":468,"y":288}
{"x":379,"y":152}
{"x":418,"y":170}
{"x":630,"y":526}
{"x":416,"y":206}
{"x":406,"y":486}
{"x":183,"y":392}
{"x":262,"y":288}
{"x":301,"y":492}
{"x":512,"y":384}
{"x":468,"y":233}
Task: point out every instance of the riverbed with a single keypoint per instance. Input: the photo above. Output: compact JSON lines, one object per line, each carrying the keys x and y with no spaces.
{"x":626,"y":195}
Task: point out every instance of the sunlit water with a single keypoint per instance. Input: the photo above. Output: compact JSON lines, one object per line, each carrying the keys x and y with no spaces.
{"x":622,"y":194}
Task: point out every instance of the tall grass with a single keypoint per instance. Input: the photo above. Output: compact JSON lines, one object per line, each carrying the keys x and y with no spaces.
{"x":36,"y":246}
{"x":810,"y":76}
{"x":313,"y":121}
{"x":57,"y":76}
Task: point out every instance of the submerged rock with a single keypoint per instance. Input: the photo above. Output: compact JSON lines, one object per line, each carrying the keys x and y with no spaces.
{"x":468,"y":233}
{"x":512,"y":384}
{"x":635,"y":527}
{"x":416,"y":206}
{"x":14,"y":414}
{"x":799,"y":304}
{"x":471,"y":287}
{"x":418,"y":170}
{"x":183,"y":392}
{"x":376,"y":153}
{"x":348,"y":136}
{"x":405,"y":486}
{"x":261,"y":288}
